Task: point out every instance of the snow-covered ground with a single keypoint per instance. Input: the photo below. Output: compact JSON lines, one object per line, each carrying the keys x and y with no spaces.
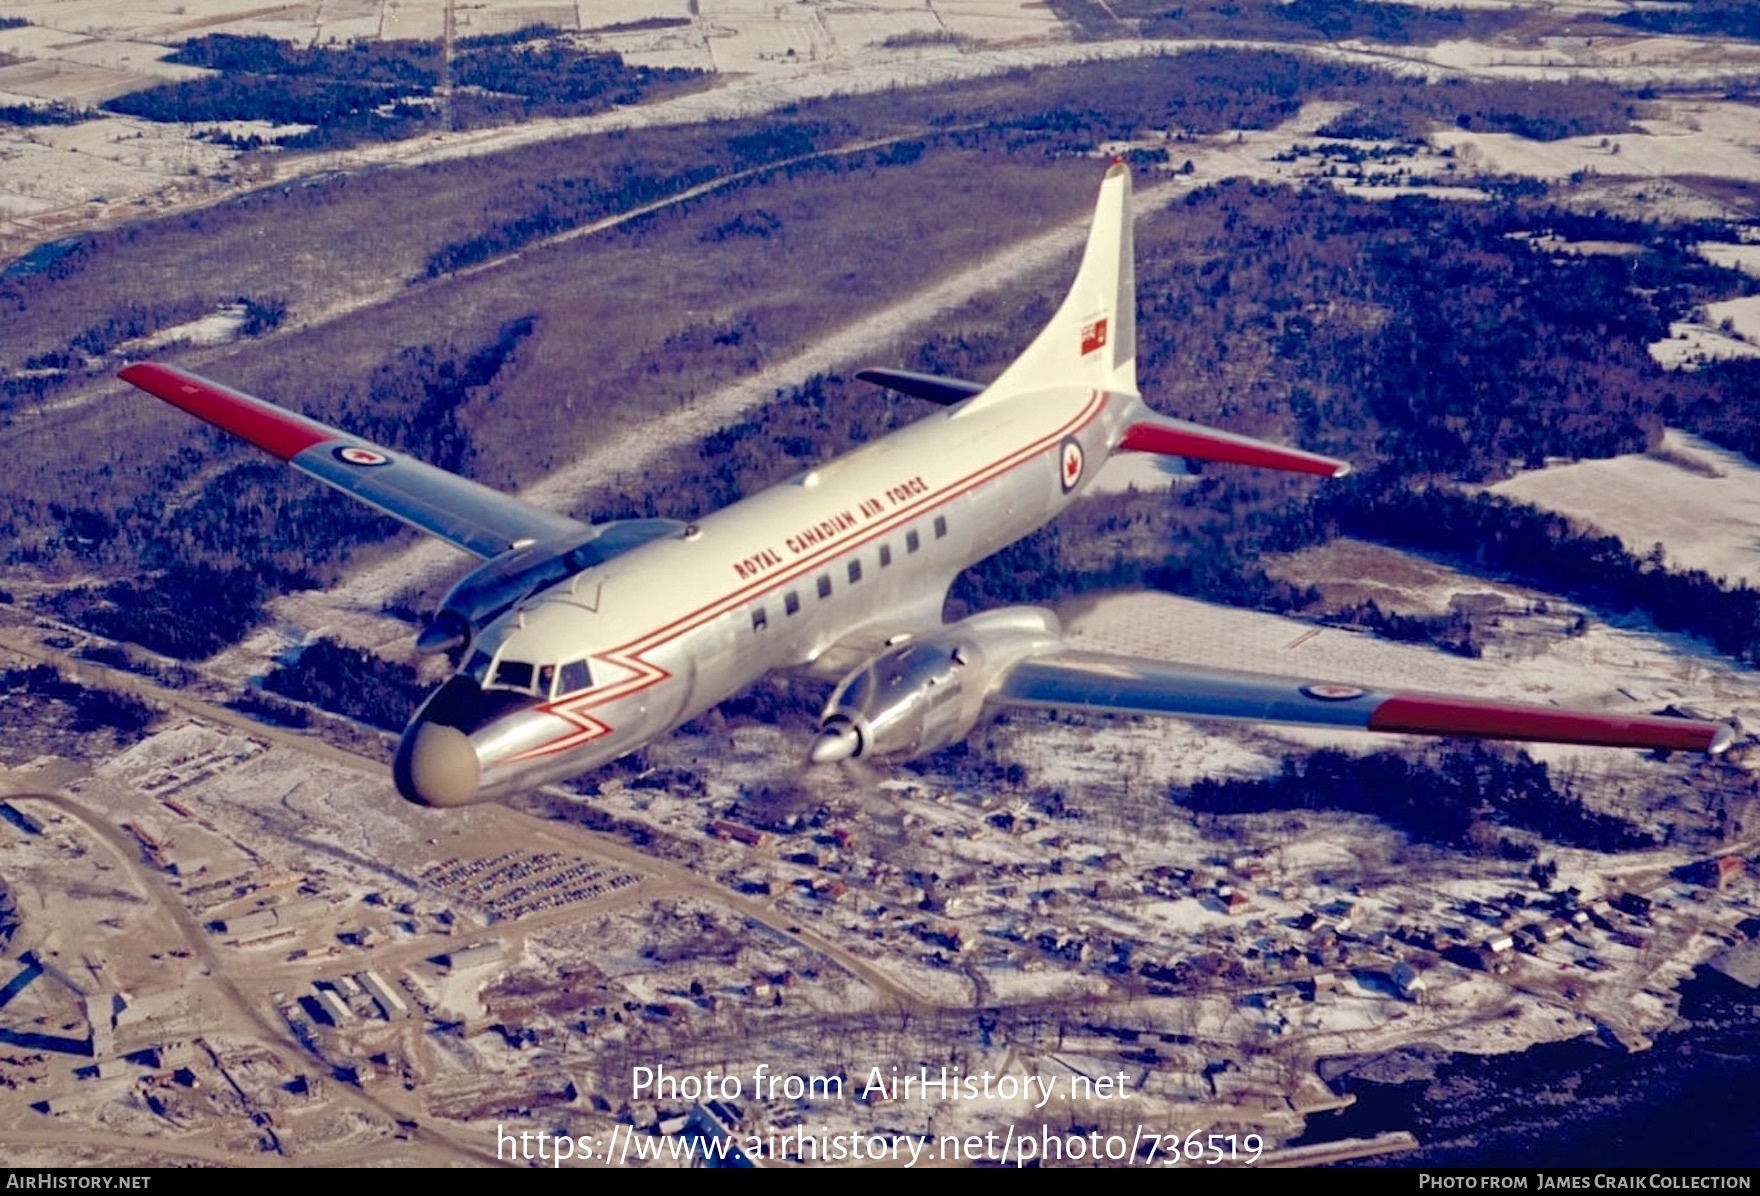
{"x":215,"y":329}
{"x":1712,"y":138}
{"x":1690,"y":344}
{"x":763,"y":56}
{"x":1700,"y":501}
{"x":1743,"y":256}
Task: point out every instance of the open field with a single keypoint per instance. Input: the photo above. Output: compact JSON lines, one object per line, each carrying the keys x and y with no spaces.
{"x":1699,"y":501}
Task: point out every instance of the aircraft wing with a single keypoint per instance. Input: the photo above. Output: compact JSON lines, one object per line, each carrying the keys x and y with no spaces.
{"x":468,"y":515}
{"x":1126,"y":685}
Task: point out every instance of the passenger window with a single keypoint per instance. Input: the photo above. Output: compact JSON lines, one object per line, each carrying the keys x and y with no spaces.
{"x":855,"y":572}
{"x":885,"y":555}
{"x":575,"y":677}
{"x":791,"y":603}
{"x":824,"y":585}
{"x":911,"y":541}
{"x":760,"y":619}
{"x":940,"y":526}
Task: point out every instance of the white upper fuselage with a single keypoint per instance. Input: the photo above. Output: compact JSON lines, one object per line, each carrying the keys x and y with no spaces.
{"x":850,"y":552}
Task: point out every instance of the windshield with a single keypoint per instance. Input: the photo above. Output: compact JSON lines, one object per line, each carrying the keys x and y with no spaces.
{"x":538,"y":679}
{"x":522,"y":655}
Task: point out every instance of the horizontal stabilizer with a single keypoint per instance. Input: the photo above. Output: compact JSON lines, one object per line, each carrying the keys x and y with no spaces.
{"x":936,"y":389}
{"x":1178,"y":438}
{"x":1126,"y":685}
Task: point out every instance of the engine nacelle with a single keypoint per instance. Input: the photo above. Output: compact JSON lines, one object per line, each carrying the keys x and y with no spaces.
{"x":925,"y":694}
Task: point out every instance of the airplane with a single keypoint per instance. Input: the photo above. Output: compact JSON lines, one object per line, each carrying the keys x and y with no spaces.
{"x":575,"y":644}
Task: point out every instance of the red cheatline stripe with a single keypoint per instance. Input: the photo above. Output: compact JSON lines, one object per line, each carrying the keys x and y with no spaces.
{"x":265,"y":425}
{"x":1205,"y":445}
{"x":633,"y":655}
{"x":1424,"y":714}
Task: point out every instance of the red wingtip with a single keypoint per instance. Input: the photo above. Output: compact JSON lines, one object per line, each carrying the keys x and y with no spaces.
{"x":265,"y":425}
{"x":1434,"y":714}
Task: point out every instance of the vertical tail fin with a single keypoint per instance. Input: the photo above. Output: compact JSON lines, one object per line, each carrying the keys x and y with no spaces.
{"x":1092,"y":340}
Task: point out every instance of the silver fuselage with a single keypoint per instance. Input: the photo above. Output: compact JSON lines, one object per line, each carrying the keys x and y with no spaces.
{"x":853,"y":551}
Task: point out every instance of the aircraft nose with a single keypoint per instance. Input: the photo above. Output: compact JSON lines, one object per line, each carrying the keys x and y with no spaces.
{"x":438,"y":766}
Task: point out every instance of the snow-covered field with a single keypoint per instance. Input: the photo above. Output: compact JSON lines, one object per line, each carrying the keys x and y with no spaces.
{"x":1691,"y":344}
{"x":1731,"y":328}
{"x":1713,"y":138}
{"x":1743,"y":257}
{"x":84,"y":51}
{"x":1701,"y":502}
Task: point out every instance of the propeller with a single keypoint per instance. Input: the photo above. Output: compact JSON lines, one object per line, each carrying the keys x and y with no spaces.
{"x":877,"y":809}
{"x":838,"y":741}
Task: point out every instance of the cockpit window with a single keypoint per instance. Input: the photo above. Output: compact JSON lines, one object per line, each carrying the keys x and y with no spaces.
{"x":513,"y":674}
{"x":575,"y":677}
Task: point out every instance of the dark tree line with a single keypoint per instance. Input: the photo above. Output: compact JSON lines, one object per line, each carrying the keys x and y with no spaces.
{"x":1456,"y":797}
{"x":27,"y":116}
{"x":1722,"y":402}
{"x":1538,"y":111}
{"x":352,"y":683}
{"x":85,"y":351}
{"x":555,"y":79}
{"x":1541,"y":549}
{"x":124,"y":324}
{"x":384,"y":89}
{"x":1452,"y":632}
{"x":1311,"y":20}
{"x":187,"y":610}
{"x":41,"y":711}
{"x":1700,"y":18}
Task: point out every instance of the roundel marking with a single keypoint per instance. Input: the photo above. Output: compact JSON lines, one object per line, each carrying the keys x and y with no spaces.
{"x":1327,"y":692}
{"x":1069,"y":463}
{"x":354,"y":454}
